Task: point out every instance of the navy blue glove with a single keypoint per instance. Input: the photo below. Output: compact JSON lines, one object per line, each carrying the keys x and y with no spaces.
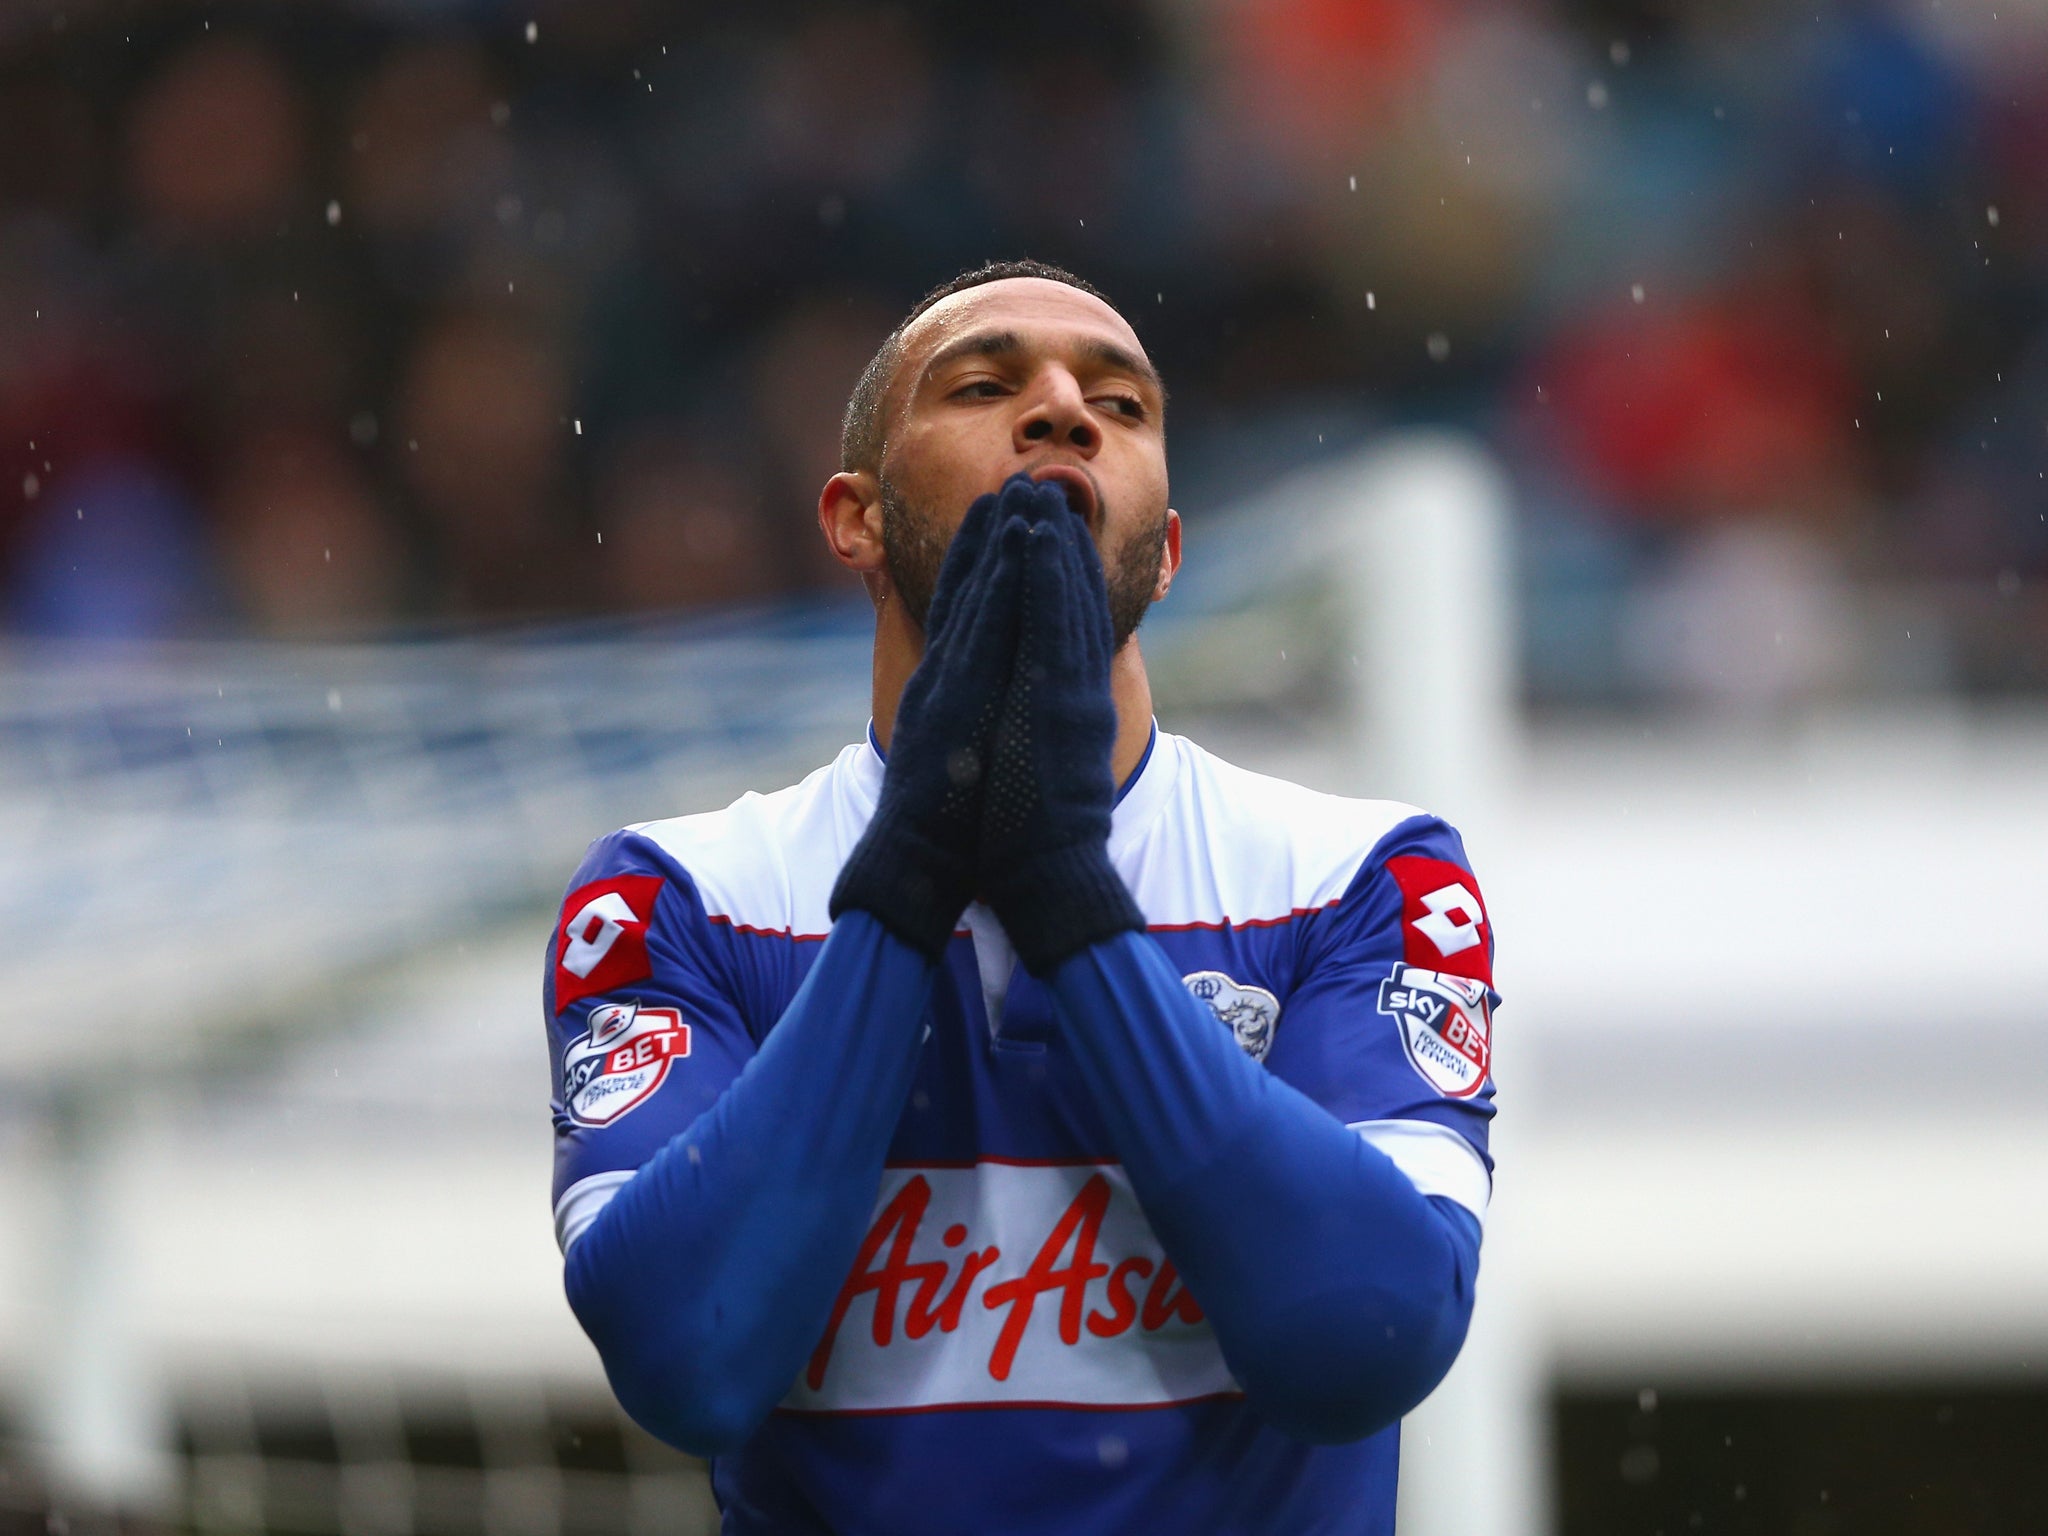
{"x":1045,"y":822}
{"x":914,"y":866}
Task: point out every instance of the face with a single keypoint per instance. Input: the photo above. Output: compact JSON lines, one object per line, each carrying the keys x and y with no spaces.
{"x":1027,"y":375}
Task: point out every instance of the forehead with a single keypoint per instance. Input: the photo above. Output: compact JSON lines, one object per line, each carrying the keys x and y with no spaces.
{"x":1040,"y":311}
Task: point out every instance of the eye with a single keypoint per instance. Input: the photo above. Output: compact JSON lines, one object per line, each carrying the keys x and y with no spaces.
{"x":978,"y":389}
{"x":1129,"y":406}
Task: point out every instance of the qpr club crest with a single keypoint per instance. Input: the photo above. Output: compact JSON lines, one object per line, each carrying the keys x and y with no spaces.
{"x":1251,"y":1012}
{"x":618,"y":1063}
{"x":1445,"y":1026}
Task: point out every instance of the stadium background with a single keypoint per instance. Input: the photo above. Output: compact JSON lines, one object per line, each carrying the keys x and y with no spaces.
{"x":1621,"y":424}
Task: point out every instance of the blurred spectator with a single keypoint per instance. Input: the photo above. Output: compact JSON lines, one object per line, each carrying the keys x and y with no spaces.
{"x":111,"y":552}
{"x":425,"y":163}
{"x":216,"y":144}
{"x":805,"y":368}
{"x":682,"y":529}
{"x":307,"y":548}
{"x":480,"y":428}
{"x":1749,"y":617}
{"x":1753,"y":299}
{"x":1695,"y":409}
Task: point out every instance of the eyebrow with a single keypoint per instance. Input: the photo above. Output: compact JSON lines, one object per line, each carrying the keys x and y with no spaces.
{"x":1002,"y":343}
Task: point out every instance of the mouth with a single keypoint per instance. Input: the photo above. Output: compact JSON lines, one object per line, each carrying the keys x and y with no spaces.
{"x":1079,"y":487}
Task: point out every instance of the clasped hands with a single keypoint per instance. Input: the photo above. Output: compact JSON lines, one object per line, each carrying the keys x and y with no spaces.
{"x":998,"y":782}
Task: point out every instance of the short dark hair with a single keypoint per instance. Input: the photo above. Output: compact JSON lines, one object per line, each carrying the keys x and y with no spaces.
{"x":862,"y":435}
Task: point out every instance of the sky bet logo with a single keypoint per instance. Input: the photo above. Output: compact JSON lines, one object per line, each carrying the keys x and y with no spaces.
{"x":621,"y":1060}
{"x":1445,"y":1027}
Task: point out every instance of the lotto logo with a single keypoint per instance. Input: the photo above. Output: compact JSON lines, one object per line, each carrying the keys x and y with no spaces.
{"x":602,"y":941}
{"x":1444,"y":926}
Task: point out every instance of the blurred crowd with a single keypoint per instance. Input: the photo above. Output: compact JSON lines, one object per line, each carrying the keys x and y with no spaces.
{"x":325,"y":318}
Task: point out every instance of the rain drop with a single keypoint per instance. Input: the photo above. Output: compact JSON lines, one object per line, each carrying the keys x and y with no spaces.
{"x":333,"y":214}
{"x":1636,"y":292}
{"x":1596,"y":95}
{"x":533,"y":31}
{"x":1439,"y":346}
{"x":1618,"y":52}
{"x":1991,"y":215}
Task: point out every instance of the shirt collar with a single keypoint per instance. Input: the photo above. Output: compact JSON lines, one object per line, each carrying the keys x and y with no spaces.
{"x":876,"y":758}
{"x":1138,"y":802}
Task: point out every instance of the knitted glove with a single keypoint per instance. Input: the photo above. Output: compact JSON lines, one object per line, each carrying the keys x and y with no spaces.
{"x":913,"y":868}
{"x":1045,"y":821}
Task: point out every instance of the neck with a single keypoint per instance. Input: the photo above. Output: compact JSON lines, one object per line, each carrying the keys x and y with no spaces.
{"x":899,"y":644}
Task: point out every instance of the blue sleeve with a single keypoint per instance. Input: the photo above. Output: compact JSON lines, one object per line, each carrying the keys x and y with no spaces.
{"x":1339,"y":1294}
{"x":706,"y":1275}
{"x":651,"y":1013}
{"x":1390,"y":1017}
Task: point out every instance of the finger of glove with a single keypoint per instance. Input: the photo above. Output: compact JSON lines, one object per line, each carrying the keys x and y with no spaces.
{"x":963,"y":554}
{"x":963,"y":585}
{"x":1074,"y":637}
{"x":1033,"y":500}
{"x":952,"y":699}
{"x":1087,"y":603}
{"x":977,"y":654}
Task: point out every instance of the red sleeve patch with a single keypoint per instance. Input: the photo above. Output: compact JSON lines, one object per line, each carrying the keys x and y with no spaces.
{"x":602,"y":942}
{"x":1443,"y":920}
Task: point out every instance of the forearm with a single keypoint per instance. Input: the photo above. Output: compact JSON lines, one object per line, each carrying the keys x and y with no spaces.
{"x":705,"y":1281}
{"x":1339,"y":1294}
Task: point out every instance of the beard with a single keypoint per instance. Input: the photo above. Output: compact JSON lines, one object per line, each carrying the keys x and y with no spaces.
{"x":914,"y":549}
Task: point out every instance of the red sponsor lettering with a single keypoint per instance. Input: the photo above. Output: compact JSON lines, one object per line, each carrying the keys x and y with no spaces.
{"x":1460,"y":1035}
{"x":1164,"y":1301}
{"x":649,"y":1049}
{"x":897,"y":1227}
{"x":932,"y":1295}
{"x":923,"y":1318}
{"x":1080,"y":1225}
{"x":1123,"y":1310}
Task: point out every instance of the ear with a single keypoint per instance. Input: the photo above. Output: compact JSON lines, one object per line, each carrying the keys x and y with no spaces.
{"x":850,"y":514}
{"x":1169,"y":556}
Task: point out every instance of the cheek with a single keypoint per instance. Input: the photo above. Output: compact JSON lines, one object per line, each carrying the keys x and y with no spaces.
{"x":933,"y":466}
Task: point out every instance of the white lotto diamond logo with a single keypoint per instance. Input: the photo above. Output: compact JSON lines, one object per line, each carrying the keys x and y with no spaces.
{"x":594,"y":930}
{"x":1453,"y":920}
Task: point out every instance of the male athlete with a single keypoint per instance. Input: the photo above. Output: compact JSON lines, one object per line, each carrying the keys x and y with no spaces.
{"x":1028,"y":1122}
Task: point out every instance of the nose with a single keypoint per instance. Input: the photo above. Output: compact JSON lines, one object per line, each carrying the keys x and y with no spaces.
{"x":1056,"y":415}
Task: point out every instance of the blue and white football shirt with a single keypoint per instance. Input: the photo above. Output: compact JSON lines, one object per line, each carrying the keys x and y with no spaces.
{"x":1012,"y":1349}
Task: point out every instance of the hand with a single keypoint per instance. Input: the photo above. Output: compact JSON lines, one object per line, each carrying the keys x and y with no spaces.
{"x":1046,"y":813}
{"x":914,"y":866}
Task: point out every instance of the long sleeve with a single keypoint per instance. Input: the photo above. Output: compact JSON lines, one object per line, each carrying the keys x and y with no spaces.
{"x":1339,"y":1294}
{"x":706,"y":1278}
